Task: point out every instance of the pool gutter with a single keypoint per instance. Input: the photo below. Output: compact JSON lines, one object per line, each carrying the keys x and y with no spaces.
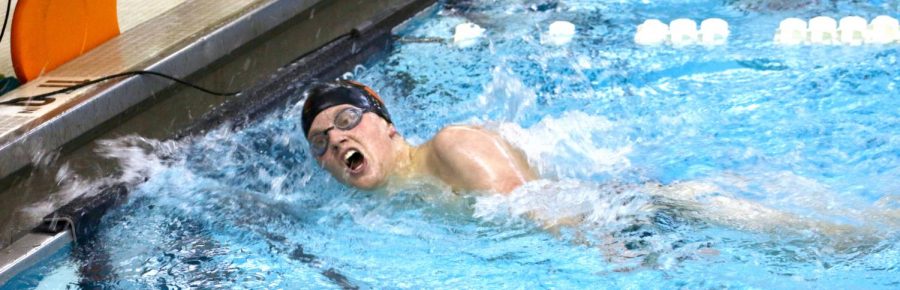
{"x":78,"y":218}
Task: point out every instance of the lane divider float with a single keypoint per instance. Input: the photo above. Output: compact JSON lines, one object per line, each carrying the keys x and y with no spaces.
{"x":850,"y":30}
{"x":467,"y":34}
{"x":559,"y":33}
{"x":682,"y":32}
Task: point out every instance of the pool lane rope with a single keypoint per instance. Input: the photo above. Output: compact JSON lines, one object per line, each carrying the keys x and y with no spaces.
{"x":850,"y":30}
{"x":821,"y":30}
{"x":682,"y":32}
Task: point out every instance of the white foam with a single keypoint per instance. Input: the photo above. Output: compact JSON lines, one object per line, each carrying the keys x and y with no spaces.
{"x":608,"y":207}
{"x":138,"y":157}
{"x":506,"y":95}
{"x":555,"y":145}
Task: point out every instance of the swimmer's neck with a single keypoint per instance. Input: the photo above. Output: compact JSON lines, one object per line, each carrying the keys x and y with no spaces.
{"x":410,"y":165}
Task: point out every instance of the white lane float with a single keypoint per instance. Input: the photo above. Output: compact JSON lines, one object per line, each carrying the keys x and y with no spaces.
{"x":883,"y":30}
{"x":683,"y":32}
{"x":651,"y":32}
{"x":850,"y":30}
{"x":714,"y":31}
{"x":853,"y":30}
{"x":823,"y":30}
{"x":467,"y":34}
{"x":791,"y":31}
{"x":559,"y":33}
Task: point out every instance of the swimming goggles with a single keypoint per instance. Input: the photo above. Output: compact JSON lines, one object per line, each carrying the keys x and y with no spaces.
{"x":345,"y":120}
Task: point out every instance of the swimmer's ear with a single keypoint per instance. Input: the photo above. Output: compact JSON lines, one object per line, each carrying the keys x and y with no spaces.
{"x":392,"y":131}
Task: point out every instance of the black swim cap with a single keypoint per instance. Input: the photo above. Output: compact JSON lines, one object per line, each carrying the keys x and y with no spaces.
{"x":321,"y":96}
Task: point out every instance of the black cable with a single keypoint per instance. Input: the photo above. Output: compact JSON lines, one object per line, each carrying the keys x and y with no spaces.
{"x":133,"y":73}
{"x":8,"y":8}
{"x":43,"y":97}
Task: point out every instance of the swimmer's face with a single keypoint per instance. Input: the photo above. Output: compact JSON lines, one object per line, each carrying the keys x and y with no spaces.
{"x":359,"y":156}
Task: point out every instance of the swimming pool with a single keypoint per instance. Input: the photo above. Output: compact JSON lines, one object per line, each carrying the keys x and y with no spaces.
{"x":812,"y":131}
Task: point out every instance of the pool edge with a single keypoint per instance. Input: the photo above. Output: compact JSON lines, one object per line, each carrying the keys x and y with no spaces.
{"x":28,"y":251}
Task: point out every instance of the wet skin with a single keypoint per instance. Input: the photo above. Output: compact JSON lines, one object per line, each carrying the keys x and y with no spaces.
{"x":374,"y":155}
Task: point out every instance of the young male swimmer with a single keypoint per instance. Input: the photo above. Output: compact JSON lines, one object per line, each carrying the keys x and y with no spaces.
{"x":351,"y":135}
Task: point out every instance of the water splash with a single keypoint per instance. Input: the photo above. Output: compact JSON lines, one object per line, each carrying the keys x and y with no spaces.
{"x":552,"y":203}
{"x":505,"y":98}
{"x":139,"y":157}
{"x":572,"y":145}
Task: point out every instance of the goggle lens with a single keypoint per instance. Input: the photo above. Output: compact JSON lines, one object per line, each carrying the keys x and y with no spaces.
{"x":346,"y":119}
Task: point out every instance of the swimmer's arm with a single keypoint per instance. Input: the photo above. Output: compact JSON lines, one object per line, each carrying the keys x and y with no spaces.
{"x":715,"y":204}
{"x":474,"y":159}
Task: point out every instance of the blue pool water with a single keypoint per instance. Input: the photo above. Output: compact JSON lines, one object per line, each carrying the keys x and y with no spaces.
{"x":805,"y":139}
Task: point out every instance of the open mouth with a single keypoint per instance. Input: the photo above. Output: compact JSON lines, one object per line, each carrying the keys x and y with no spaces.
{"x":354,"y":160}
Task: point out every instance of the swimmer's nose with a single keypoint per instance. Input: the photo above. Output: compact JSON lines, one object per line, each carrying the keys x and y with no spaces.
{"x":335,"y":138}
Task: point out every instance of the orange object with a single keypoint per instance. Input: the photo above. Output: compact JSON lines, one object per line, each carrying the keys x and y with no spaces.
{"x":48,"y":33}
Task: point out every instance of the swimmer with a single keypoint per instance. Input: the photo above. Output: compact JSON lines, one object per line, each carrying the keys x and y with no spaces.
{"x":351,"y":135}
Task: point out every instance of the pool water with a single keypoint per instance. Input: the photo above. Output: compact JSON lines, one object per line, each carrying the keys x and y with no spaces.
{"x":804,"y":139}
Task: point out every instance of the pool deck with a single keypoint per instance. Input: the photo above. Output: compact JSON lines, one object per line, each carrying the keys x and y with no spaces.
{"x":131,"y":14}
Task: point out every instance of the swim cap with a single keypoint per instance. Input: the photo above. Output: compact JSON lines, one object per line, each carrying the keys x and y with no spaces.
{"x":322,"y":96}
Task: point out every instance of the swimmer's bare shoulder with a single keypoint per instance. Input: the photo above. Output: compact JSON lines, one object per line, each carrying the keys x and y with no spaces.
{"x":472,"y":158}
